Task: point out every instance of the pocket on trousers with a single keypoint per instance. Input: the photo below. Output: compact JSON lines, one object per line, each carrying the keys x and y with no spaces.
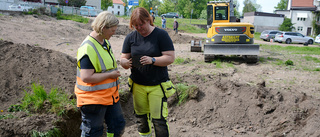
{"x":164,"y":109}
{"x":168,"y":88}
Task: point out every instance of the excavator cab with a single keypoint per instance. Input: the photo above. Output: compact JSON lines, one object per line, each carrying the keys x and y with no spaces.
{"x":227,"y":37}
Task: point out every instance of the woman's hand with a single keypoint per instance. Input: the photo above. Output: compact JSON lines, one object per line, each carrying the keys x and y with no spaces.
{"x":115,"y":74}
{"x":126,"y":60}
{"x":126,"y":63}
{"x":145,"y":60}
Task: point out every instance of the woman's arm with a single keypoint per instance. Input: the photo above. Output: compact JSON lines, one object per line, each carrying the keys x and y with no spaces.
{"x":166,"y":59}
{"x":88,"y":75}
{"x":126,"y":60}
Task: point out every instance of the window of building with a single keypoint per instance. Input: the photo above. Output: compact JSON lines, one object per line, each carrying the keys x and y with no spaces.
{"x":112,"y":6}
{"x":301,"y":19}
{"x":118,"y":7}
{"x":300,"y":28}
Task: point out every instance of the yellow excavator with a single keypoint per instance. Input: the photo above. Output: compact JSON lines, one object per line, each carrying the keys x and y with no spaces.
{"x":226,"y":35}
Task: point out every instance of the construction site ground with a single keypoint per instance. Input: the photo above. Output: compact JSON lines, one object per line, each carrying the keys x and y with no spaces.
{"x":233,"y":99}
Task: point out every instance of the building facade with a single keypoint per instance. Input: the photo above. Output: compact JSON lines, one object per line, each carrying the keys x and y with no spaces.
{"x":117,"y":8}
{"x":302,"y":14}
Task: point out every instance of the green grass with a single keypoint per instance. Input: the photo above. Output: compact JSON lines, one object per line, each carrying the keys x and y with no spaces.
{"x":178,"y":61}
{"x":7,"y":116}
{"x":184,"y":91}
{"x":76,"y":18}
{"x":221,"y":64}
{"x":293,"y":49}
{"x":55,"y":132}
{"x":35,"y":101}
{"x":257,"y":35}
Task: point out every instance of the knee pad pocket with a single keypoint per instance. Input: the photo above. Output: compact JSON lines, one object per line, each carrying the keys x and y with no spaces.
{"x":143,"y":124}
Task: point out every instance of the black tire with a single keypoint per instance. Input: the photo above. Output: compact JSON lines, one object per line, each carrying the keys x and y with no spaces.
{"x":310,"y":41}
{"x":288,"y":41}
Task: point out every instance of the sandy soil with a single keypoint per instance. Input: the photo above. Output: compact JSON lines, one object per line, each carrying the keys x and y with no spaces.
{"x":262,"y":99}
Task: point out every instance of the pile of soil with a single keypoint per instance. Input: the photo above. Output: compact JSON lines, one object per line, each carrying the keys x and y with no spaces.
{"x":235,"y":101}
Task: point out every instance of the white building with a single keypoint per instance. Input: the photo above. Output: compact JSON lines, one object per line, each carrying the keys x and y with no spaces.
{"x":263,"y":21}
{"x":301,"y":14}
{"x":117,"y":8}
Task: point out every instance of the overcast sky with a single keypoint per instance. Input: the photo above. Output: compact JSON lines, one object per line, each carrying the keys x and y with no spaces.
{"x":266,"y":5}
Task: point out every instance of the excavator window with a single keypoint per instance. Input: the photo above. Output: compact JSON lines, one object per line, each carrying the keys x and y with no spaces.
{"x":209,"y":14}
{"x":221,"y":13}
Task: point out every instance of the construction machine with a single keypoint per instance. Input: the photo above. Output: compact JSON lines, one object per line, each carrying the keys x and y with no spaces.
{"x":226,"y":36}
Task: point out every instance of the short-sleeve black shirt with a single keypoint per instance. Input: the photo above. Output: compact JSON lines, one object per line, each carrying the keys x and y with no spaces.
{"x":153,"y":45}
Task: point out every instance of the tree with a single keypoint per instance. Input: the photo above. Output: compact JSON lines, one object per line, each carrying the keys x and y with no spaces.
{"x":250,"y":6}
{"x":282,"y":5}
{"x":166,"y":6}
{"x":286,"y":25}
{"x":236,"y":11}
{"x":144,"y":4}
{"x":105,"y":4}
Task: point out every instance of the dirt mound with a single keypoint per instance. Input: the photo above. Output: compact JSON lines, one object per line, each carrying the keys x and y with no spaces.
{"x":22,"y":65}
{"x":228,"y":108}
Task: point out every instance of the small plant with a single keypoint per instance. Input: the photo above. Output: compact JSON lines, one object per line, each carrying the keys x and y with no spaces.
{"x":55,"y":132}
{"x":289,"y":63}
{"x":56,"y":101}
{"x":184,"y":91}
{"x":7,"y":116}
{"x":217,"y":63}
{"x":15,"y":108}
{"x":178,"y":60}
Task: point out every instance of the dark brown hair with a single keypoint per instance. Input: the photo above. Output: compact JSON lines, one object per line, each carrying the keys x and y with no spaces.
{"x":140,"y":14}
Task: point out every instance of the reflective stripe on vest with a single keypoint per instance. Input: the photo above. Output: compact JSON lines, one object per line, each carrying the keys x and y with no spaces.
{"x":97,"y":87}
{"x":103,"y":66}
{"x":103,"y":70}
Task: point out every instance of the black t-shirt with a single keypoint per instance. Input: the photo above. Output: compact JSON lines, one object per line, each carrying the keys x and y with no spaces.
{"x":152,"y":45}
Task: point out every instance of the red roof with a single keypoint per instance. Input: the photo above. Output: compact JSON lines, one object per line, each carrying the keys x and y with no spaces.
{"x":118,"y":2}
{"x":302,"y":3}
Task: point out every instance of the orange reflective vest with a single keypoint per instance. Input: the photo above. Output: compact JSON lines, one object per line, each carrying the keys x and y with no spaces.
{"x":104,"y":92}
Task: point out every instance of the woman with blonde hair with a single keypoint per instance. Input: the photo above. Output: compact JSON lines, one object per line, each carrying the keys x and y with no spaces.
{"x":97,"y":85}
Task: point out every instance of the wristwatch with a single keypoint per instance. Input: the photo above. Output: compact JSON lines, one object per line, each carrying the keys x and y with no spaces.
{"x":153,"y":60}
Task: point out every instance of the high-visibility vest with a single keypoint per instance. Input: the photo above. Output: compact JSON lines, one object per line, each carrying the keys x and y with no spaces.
{"x":104,"y":92}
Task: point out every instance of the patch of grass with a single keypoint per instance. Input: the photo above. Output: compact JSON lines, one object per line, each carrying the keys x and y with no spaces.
{"x":184,"y":91}
{"x":220,"y":64}
{"x":289,"y":63}
{"x":178,"y":61}
{"x":76,"y":18}
{"x":178,"y":77}
{"x":7,"y":116}
{"x":36,"y":100}
{"x":55,"y":132}
{"x":293,"y":49}
{"x":309,"y":58}
{"x":257,"y":35}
